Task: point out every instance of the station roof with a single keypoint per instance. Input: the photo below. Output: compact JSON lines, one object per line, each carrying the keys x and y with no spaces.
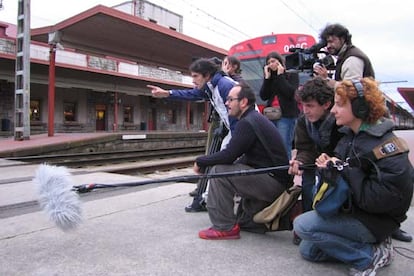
{"x":110,"y":32}
{"x":408,"y":94}
{"x":107,"y":31}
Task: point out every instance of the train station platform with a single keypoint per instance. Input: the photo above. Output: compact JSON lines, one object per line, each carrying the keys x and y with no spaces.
{"x":42,"y":144}
{"x":147,"y":232}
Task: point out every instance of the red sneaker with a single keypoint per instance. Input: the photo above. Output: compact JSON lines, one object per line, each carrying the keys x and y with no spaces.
{"x":213,"y":234}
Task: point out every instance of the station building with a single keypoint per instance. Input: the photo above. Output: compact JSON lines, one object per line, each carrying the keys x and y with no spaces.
{"x":104,"y":58}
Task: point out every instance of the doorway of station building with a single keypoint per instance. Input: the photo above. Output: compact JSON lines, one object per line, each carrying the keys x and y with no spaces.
{"x":152,"y":119}
{"x":100,"y":117}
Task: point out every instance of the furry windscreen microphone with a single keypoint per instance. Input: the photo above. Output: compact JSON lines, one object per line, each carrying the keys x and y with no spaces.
{"x":56,"y":196}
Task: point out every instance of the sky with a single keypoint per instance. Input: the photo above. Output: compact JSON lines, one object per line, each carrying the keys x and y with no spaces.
{"x":379,"y":28}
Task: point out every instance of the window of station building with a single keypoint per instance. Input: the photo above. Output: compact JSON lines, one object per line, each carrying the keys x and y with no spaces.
{"x":172,"y":116}
{"x":128,"y":114}
{"x":191,"y":115}
{"x":69,"y":112}
{"x":35,"y":110}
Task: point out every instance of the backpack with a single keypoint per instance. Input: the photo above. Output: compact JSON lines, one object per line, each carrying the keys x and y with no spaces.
{"x":279,"y":215}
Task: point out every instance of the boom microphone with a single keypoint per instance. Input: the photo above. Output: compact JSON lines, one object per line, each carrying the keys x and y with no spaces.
{"x":56,"y":198}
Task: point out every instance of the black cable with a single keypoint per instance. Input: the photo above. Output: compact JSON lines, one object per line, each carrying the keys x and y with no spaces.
{"x":89,"y":187}
{"x":398,"y":249}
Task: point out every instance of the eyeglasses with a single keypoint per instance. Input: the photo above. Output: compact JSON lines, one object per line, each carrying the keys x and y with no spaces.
{"x":230,"y":99}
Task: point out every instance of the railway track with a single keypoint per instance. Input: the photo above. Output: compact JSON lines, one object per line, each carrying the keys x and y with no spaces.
{"x":141,"y":160}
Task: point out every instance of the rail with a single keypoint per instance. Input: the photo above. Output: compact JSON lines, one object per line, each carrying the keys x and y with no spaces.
{"x":82,"y":160}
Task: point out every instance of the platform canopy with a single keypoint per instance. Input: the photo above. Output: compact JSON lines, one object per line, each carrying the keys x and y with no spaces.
{"x":107,"y":31}
{"x":408,"y":94}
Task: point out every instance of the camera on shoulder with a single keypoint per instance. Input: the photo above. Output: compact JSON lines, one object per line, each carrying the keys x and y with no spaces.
{"x":304,"y":59}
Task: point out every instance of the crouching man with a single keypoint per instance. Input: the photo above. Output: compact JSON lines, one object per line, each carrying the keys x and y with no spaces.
{"x":245,"y":151}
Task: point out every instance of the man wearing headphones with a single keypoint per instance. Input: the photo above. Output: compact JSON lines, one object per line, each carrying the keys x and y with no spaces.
{"x":351,"y":64}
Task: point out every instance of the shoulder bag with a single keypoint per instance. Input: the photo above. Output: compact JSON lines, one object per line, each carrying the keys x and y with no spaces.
{"x":273,"y":112}
{"x":280,"y":214}
{"x":332,"y":193}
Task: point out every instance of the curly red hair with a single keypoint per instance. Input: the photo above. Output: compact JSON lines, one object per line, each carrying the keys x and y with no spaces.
{"x":372,"y":95}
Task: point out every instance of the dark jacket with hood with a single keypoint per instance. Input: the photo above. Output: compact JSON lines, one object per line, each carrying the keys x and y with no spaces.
{"x":381,"y":190}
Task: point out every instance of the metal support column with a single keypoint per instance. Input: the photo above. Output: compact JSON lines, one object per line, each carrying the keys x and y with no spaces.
{"x":51,"y":92}
{"x":115,"y":111}
{"x":54,"y":42}
{"x":22,"y":78}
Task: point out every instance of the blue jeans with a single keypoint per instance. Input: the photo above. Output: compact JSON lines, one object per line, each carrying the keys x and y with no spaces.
{"x":286,"y":127}
{"x":308,"y":182}
{"x":341,"y":237}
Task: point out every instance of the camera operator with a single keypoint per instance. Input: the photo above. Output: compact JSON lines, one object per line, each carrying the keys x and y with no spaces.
{"x":351,"y":63}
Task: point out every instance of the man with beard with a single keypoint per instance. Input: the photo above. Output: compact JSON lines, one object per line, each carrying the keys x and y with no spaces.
{"x":244,"y":151}
{"x":351,"y":63}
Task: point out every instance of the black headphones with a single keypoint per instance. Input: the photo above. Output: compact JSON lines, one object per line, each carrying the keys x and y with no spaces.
{"x":360,"y":107}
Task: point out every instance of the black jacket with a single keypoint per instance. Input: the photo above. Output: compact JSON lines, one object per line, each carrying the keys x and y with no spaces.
{"x":308,"y":149}
{"x":380,"y":198}
{"x":245,"y":147}
{"x":284,"y":87}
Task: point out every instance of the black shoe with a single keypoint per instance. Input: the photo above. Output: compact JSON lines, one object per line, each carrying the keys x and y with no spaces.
{"x":196,"y":207}
{"x":194,"y":192}
{"x":296,"y":239}
{"x":401,"y":235}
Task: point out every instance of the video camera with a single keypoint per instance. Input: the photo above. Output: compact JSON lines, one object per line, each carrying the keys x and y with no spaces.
{"x":304,"y":59}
